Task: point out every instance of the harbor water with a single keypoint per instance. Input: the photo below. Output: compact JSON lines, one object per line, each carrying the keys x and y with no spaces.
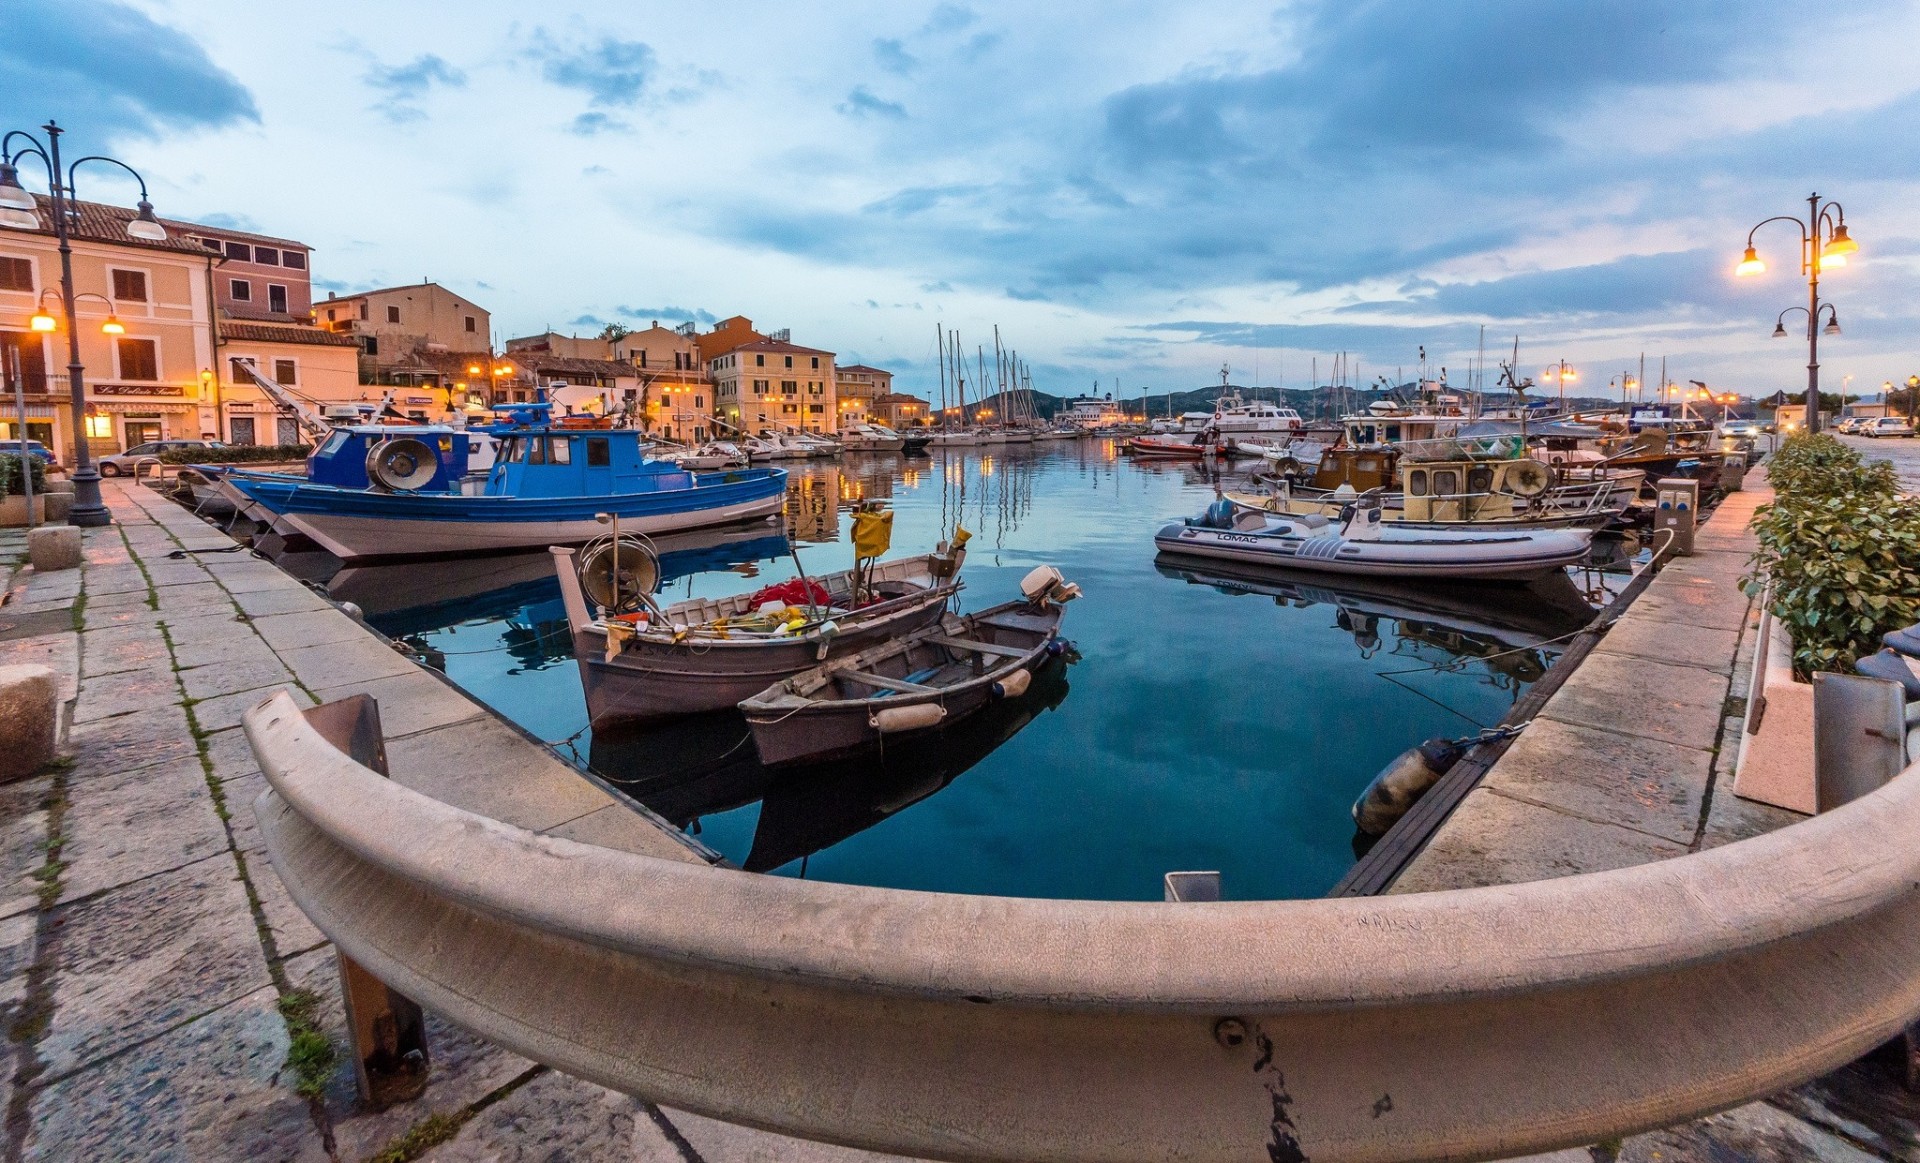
{"x":1208,"y":718}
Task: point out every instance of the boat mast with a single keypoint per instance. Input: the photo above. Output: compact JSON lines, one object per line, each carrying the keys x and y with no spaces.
{"x":940,"y":342}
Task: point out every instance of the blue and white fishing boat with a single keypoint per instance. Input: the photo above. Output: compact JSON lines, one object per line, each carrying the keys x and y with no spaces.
{"x":388,"y":491}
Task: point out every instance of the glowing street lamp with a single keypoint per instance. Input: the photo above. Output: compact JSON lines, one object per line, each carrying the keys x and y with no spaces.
{"x":1824,"y":242}
{"x":20,"y":210}
{"x":1561,"y":373}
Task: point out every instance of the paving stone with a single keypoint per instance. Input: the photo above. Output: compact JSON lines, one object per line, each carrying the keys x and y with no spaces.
{"x":242,"y":822}
{"x":1494,"y":839}
{"x":1694,"y":601}
{"x":261,"y":603}
{"x":211,"y":643}
{"x":212,"y":1090}
{"x":58,"y":586}
{"x":167,"y":573}
{"x":717,"y":1141}
{"x":130,"y":600}
{"x":141,"y":959}
{"x":201,"y":599}
{"x":223,"y":711}
{"x":1754,"y":1133}
{"x":225,"y":678}
{"x":23,"y":843}
{"x":128,"y":825}
{"x":555,"y":1116}
{"x":118,"y":578}
{"x":340,"y":663}
{"x":126,"y":692}
{"x":140,"y":739}
{"x":241,"y":578}
{"x":231,"y":755}
{"x":1708,"y":647}
{"x":410,"y":703}
{"x":485,"y":767}
{"x":121,"y":648}
{"x":1731,"y":818}
{"x":292,"y":931}
{"x":1620,"y":779}
{"x":620,"y":827}
{"x":1678,"y":704}
{"x":19,"y":940}
{"x":58,"y":652}
{"x":309,"y":628}
{"x":136,"y":614}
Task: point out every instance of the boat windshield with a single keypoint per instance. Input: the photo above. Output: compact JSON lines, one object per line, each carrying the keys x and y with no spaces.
{"x":334,"y":443}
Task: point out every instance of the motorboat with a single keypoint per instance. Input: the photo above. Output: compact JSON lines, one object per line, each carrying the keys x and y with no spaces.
{"x":812,"y":444}
{"x":955,"y":438}
{"x":772,"y":446}
{"x":706,"y":654}
{"x":1233,"y":416}
{"x":715,"y":454}
{"x":1361,"y":541}
{"x":378,"y":491}
{"x":871,"y":438}
{"x":915,"y":443}
{"x":1195,"y":447}
{"x":922,"y":681}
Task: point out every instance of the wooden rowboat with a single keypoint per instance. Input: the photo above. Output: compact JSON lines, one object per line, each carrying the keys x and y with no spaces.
{"x":923,"y":681}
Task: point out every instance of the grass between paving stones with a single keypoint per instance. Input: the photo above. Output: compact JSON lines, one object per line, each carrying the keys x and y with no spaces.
{"x":34,"y":1012}
{"x":441,"y":1126}
{"x":310,"y":1053}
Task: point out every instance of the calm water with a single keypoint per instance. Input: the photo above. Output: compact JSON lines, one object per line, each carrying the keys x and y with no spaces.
{"x":1212,"y":719}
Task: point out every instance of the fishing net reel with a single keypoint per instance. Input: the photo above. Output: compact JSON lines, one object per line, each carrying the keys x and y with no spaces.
{"x":401,"y":465}
{"x":620,"y":574}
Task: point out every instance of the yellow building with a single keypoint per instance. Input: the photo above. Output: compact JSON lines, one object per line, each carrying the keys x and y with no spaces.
{"x":898,"y":411}
{"x":857,"y":386}
{"x":772,"y":384}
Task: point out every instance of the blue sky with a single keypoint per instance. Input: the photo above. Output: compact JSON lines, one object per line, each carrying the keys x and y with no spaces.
{"x":1130,"y":190}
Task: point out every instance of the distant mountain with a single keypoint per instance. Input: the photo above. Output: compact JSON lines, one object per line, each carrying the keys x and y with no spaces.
{"x":1323,"y":402}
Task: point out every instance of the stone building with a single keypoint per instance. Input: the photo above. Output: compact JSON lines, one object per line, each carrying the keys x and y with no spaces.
{"x":897,"y":411}
{"x":856,"y":386}
{"x":395,"y":324}
{"x":775,"y":384}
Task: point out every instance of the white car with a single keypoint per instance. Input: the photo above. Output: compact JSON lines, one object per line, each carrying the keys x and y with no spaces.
{"x":1888,"y":426}
{"x":1739,"y":429}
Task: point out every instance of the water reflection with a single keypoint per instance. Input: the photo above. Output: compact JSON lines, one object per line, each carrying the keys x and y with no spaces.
{"x":1208,"y":728}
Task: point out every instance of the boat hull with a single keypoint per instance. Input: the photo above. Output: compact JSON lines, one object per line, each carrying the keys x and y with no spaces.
{"x":1505,"y":556}
{"x":649,"y":682}
{"x":354,"y":524}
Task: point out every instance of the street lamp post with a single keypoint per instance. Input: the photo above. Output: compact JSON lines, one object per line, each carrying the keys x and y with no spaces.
{"x":19,"y":211}
{"x":1913,"y":390}
{"x":1823,"y":243}
{"x":1561,"y":373}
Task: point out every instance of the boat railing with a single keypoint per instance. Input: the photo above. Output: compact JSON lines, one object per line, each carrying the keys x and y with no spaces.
{"x":1504,"y":446}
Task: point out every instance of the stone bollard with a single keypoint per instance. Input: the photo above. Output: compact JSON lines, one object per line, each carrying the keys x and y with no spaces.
{"x":52,"y":547}
{"x":59,"y":485}
{"x":29,"y":719}
{"x":58,"y":506}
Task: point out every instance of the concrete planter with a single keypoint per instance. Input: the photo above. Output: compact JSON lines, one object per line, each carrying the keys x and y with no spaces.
{"x":13,"y":510}
{"x":58,"y":505}
{"x":1776,"y":749}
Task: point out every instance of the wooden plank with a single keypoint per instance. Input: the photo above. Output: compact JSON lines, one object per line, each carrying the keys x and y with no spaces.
{"x":886,"y":684}
{"x":977,"y":647}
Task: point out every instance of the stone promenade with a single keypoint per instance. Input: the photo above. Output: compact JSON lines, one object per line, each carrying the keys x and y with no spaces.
{"x":1632,"y":761}
{"x":154,"y":973}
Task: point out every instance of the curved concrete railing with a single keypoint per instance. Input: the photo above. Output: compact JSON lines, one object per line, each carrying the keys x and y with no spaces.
{"x":1469,"y":1024}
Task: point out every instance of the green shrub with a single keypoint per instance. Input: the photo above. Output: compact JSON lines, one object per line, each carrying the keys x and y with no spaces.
{"x":13,"y":484}
{"x":236,"y":454}
{"x":1841,"y":547}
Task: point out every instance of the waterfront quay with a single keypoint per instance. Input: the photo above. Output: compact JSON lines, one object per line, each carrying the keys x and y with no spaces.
{"x":165,"y":997}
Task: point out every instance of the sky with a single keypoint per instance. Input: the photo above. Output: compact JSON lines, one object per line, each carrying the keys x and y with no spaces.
{"x":1135,"y":193}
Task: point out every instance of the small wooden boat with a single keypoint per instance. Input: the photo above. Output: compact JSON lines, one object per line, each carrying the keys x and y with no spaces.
{"x":1363,"y":543}
{"x":928,"y":679}
{"x":1185,"y":448}
{"x":706,"y":654}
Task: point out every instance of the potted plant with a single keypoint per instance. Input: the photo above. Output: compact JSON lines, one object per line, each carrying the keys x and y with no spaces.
{"x":13,"y":489}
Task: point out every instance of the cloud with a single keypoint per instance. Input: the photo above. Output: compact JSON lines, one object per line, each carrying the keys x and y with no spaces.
{"x":1691,"y":281}
{"x":860,"y":103}
{"x":405,"y":85}
{"x":586,"y":321}
{"x":940,"y":288}
{"x":949,"y":18}
{"x":590,"y":124}
{"x":893,"y":56}
{"x":612,"y":72}
{"x":110,"y":72}
{"x":697,"y":315}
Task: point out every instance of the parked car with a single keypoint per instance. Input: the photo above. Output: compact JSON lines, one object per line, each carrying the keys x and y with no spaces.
{"x":1739,"y":429}
{"x":1888,"y":426}
{"x":121,"y":463}
{"x":1855,"y":425}
{"x":34,"y":448}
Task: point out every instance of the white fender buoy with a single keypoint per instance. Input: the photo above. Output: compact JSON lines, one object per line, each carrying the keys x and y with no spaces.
{"x":914,"y":718}
{"x":1014,"y":685}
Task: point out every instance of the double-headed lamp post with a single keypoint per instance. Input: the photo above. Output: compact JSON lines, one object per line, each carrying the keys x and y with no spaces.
{"x":1823,"y":243}
{"x":1560,"y":373}
{"x":20,"y":211}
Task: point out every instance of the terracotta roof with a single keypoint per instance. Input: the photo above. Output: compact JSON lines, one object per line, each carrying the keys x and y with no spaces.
{"x":776,"y":345}
{"x":899,"y":398}
{"x":861,"y":367}
{"x":563,"y":364}
{"x":391,"y":290}
{"x":97,"y":222}
{"x":236,"y":235}
{"x":284,"y":333}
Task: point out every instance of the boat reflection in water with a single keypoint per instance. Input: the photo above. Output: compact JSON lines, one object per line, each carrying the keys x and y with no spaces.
{"x":1514,"y":632}
{"x":705,"y":765}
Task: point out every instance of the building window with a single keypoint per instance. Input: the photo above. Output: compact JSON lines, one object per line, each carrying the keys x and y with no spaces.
{"x":240,"y":429}
{"x":789,"y":361}
{"x":139,"y":359}
{"x":393,"y":314}
{"x":469,"y":324}
{"x":266,"y":256}
{"x":370,"y":344}
{"x":699,"y":402}
{"x":276,"y":298}
{"x":363,"y":310}
{"x":240,"y":290}
{"x":16,"y":274}
{"x":759,"y":361}
{"x":130,"y":286}
{"x":330,"y":314}
{"x":816,"y":363}
{"x":293,"y":260}
{"x":212,"y":244}
{"x":284,"y":372}
{"x":643,"y":358}
{"x":759,"y":387}
{"x":816,"y":407}
{"x":287,"y":430}
{"x":789,"y":387}
{"x":789,"y":409}
{"x":239,"y":251}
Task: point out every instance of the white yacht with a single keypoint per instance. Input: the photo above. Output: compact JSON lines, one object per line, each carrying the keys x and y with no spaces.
{"x":1233,"y":415}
